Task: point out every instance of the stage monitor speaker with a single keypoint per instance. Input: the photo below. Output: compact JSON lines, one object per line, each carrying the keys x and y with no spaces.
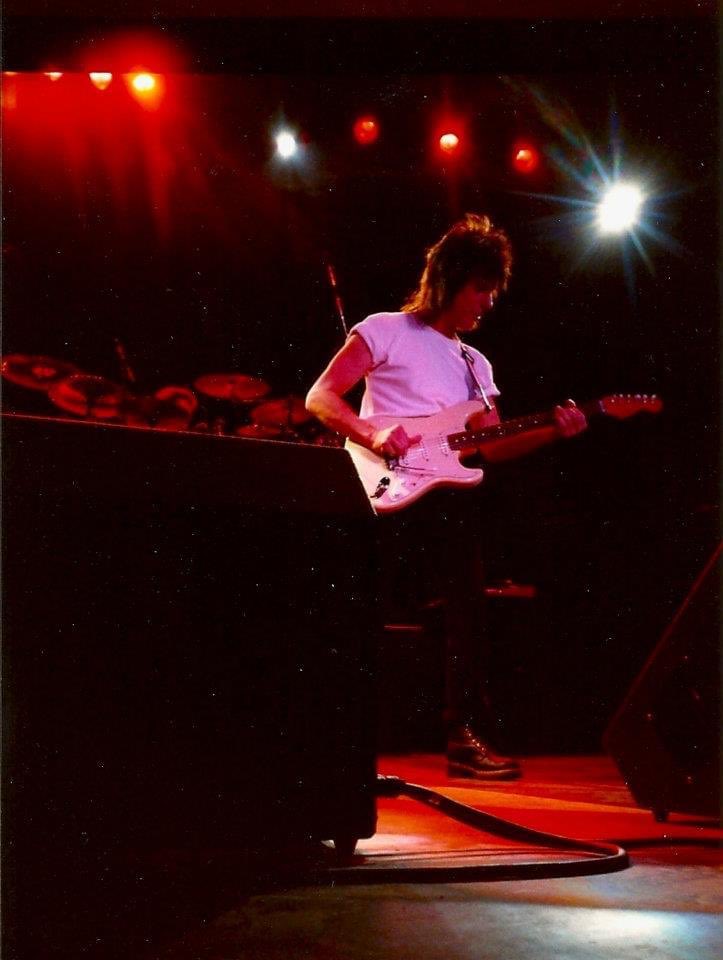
{"x":188,"y":638}
{"x":664,"y":737}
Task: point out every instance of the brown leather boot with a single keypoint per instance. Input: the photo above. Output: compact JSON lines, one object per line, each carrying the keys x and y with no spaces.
{"x":468,"y":756}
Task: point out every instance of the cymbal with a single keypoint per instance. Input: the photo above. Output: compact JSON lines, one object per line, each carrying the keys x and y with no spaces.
{"x":281,"y":411}
{"x":180,"y":398}
{"x":173,"y":408}
{"x":35,"y":372}
{"x":170,"y":408}
{"x":232,"y":386}
{"x":89,"y":396}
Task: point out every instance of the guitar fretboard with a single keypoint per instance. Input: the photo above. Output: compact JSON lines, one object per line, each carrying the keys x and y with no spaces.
{"x":510,"y":428}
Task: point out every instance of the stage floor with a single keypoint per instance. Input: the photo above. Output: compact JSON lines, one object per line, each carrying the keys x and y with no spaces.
{"x":665,"y":906}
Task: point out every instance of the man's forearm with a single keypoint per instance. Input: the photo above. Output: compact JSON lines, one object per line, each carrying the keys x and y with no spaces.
{"x":336,"y":414}
{"x":518,"y":446}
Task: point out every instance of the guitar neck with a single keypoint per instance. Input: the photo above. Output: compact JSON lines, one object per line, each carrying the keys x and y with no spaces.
{"x":510,"y":428}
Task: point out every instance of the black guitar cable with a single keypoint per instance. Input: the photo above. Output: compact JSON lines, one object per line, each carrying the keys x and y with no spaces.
{"x":593,"y":856}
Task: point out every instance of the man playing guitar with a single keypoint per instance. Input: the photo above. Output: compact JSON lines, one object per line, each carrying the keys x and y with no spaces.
{"x":415,"y":365}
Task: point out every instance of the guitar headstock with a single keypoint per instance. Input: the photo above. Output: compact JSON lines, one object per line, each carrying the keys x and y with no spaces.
{"x":623,"y":405}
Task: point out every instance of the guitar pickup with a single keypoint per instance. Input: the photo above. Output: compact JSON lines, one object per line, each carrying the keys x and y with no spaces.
{"x":421,"y":470}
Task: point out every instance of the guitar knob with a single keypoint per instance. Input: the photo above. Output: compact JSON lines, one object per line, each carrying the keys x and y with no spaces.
{"x":381,"y":489}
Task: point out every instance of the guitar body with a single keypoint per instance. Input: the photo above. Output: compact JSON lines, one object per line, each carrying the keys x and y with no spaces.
{"x":430,"y":463}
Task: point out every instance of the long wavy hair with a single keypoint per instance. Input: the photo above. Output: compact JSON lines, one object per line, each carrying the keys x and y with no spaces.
{"x":472,"y":249}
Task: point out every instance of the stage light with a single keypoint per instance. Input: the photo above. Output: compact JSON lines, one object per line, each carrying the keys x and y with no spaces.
{"x":525,"y":158}
{"x":143,"y":82}
{"x":147,"y":88}
{"x":608,"y":207}
{"x":53,"y":75}
{"x":101,"y":80}
{"x":366,"y":130}
{"x":619,"y":208}
{"x":449,"y":143}
{"x":286,"y":145}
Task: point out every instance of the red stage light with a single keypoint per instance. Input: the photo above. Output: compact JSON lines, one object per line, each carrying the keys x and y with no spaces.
{"x":525,"y":158}
{"x":101,"y":80}
{"x":53,"y":75}
{"x":147,"y":88}
{"x":449,"y":143}
{"x":143,"y":82}
{"x":366,"y":130}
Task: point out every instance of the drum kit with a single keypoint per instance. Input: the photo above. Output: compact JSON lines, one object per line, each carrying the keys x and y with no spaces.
{"x":232,"y":404}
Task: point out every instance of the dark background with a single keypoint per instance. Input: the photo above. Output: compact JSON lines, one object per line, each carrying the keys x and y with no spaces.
{"x":176,"y":232}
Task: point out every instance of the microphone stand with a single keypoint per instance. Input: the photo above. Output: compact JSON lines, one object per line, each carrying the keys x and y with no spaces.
{"x":339,"y":306}
{"x":126,"y":371}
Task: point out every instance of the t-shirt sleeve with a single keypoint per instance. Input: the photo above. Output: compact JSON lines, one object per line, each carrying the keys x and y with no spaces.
{"x":377,"y":332}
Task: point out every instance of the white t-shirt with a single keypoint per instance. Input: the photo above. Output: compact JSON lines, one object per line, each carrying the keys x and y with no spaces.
{"x":417,"y":370}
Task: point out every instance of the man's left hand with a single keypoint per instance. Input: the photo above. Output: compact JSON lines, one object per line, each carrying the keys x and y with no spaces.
{"x":570,"y":419}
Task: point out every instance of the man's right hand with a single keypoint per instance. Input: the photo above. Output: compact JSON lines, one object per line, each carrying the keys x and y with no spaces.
{"x":393,"y":441}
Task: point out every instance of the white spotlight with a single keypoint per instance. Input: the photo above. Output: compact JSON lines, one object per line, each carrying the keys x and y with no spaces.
{"x":619,"y":208}
{"x":286,"y":145}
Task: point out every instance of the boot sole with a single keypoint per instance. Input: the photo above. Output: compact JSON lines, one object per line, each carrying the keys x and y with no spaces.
{"x":470,"y":773}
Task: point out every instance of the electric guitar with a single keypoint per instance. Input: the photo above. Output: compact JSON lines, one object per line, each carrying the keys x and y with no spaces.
{"x":394,"y":483}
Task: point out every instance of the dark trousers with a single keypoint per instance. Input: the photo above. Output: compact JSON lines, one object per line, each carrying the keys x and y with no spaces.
{"x":434,"y":550}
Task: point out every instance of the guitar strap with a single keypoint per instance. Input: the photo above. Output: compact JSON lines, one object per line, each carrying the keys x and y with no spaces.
{"x":469,"y":360}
